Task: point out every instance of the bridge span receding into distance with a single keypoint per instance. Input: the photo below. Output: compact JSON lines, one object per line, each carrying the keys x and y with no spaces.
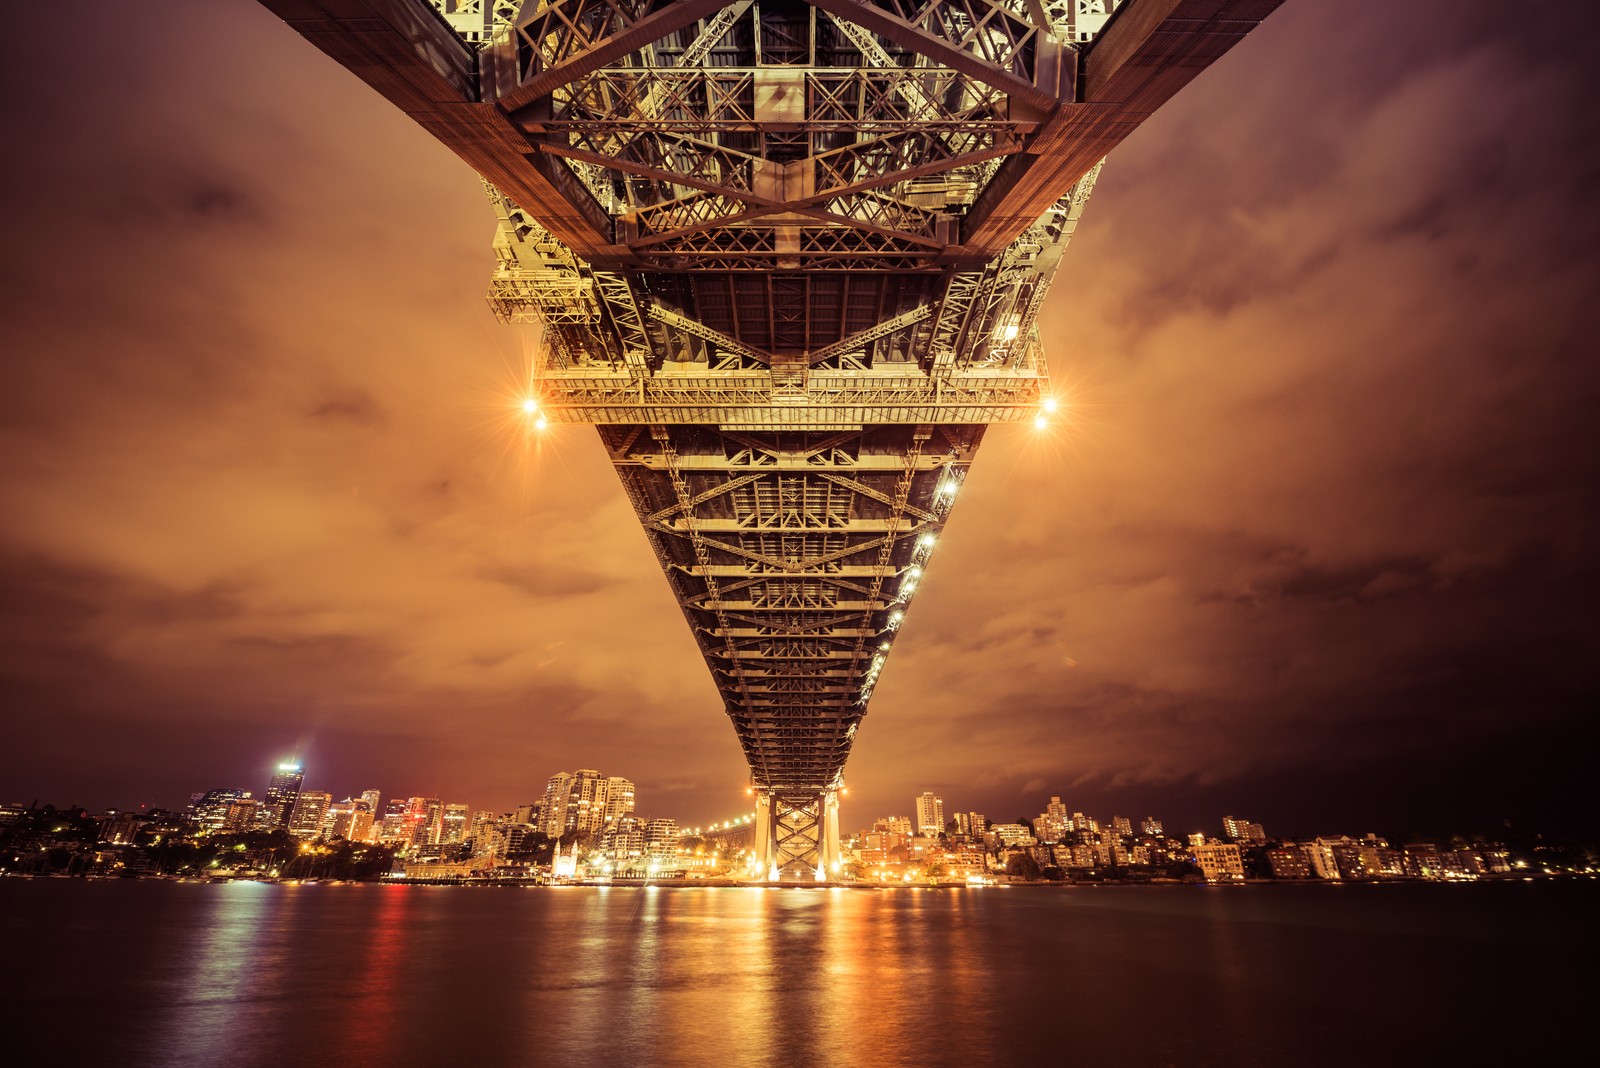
{"x":788,"y":257}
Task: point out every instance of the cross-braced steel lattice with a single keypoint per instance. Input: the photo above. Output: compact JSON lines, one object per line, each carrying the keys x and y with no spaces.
{"x":788,"y":255}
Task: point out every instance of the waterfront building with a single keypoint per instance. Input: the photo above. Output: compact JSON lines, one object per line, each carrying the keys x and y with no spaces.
{"x":1324,"y":861}
{"x":661,"y":838}
{"x":1289,"y":862}
{"x":1220,"y":862}
{"x":930,"y":814}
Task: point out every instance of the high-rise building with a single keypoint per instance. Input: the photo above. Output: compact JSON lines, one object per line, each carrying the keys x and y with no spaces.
{"x":661,"y":838}
{"x":281,"y":794}
{"x":243,"y":815}
{"x":1152,"y":826}
{"x":350,"y":819}
{"x":971,"y":824}
{"x":557,"y":800}
{"x":1121,"y":826}
{"x":1237,"y":830}
{"x":424,"y":821}
{"x":583,"y":801}
{"x":371,"y":799}
{"x":210,"y":809}
{"x":1080,"y":822}
{"x":454,"y":821}
{"x":586,"y":809}
{"x":930,"y":814}
{"x":1051,"y":826}
{"x":619,"y":799}
{"x":482,"y":824}
{"x":392,"y":827}
{"x":305,"y":818}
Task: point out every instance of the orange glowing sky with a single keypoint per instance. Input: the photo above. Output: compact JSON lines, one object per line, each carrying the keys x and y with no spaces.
{"x":1314,"y":542}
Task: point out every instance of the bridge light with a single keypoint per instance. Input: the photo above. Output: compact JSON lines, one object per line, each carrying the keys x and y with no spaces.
{"x":1040,"y":423}
{"x":530,"y":405}
{"x":926,"y":541}
{"x":949,"y":488}
{"x":1049,"y":404}
{"x":540,"y":423}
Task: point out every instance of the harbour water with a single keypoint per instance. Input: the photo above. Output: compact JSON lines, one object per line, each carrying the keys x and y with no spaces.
{"x":163,"y":973}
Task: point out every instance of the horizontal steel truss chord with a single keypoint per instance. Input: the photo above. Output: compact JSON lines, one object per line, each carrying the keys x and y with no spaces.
{"x":722,"y":99}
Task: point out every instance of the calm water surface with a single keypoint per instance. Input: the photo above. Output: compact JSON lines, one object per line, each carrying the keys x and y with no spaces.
{"x":158,"y":973}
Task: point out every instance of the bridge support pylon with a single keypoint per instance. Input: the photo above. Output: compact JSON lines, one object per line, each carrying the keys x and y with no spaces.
{"x":797,"y":836}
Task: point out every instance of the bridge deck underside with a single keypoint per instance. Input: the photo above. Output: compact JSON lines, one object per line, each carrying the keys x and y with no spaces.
{"x":793,"y":555}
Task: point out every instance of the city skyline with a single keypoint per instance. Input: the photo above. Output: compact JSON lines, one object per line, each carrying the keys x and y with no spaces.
{"x":1313,"y":542}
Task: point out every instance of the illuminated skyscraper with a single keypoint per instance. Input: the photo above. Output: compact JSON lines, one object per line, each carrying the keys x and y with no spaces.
{"x":305,"y":818}
{"x":930,"y":815}
{"x":455,"y":824}
{"x":557,"y":801}
{"x":584,"y":801}
{"x":393,"y":828}
{"x":424,"y":821}
{"x":210,"y":809}
{"x":282,"y":792}
{"x":619,"y":799}
{"x":1152,"y":826}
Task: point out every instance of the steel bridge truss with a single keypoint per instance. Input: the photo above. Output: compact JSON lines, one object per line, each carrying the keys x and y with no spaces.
{"x":788,"y":256}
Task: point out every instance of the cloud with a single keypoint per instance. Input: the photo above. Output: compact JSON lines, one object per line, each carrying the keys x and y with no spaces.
{"x":1322,"y":516}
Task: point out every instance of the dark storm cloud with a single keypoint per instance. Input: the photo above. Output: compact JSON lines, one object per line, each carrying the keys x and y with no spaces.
{"x":1319,"y":525}
{"x":1334,"y":480}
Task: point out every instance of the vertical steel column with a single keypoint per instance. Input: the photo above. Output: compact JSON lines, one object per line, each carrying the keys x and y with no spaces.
{"x":765,"y":843}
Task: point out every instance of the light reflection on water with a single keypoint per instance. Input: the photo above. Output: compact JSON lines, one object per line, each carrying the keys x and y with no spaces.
{"x":395,"y":975}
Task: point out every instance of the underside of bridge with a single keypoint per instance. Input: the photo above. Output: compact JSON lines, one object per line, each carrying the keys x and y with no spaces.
{"x":788,"y":256}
